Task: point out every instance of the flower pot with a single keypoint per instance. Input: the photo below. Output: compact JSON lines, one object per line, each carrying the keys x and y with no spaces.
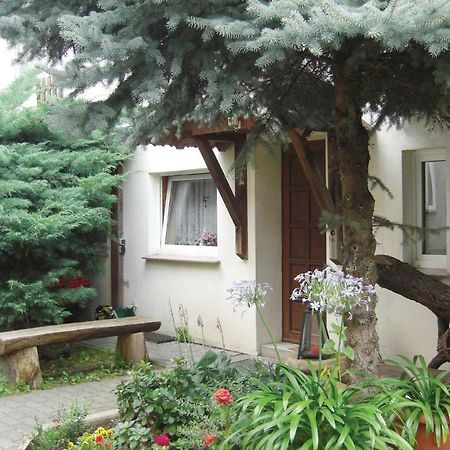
{"x":428,"y":441}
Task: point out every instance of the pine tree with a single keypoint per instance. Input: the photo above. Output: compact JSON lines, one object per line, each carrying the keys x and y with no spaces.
{"x":55,"y":203}
{"x":316,"y":64}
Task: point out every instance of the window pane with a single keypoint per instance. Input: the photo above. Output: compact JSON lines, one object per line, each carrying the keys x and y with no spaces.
{"x":434,"y":207}
{"x":192,"y":214}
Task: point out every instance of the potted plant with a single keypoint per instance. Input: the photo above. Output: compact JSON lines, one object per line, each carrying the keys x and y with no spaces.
{"x":421,"y":403}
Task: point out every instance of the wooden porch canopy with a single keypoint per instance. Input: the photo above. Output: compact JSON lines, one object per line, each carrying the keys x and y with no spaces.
{"x":222,"y":135}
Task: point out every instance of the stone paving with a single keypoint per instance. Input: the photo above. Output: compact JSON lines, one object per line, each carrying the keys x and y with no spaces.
{"x":19,"y":413}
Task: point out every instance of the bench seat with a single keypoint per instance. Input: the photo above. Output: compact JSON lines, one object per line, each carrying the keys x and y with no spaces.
{"x":11,"y":341}
{"x":20,"y":346}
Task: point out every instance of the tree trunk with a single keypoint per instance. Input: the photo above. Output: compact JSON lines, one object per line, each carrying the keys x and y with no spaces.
{"x":357,"y":207}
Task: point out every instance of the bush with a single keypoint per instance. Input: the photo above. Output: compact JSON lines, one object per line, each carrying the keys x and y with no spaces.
{"x":181,"y":402}
{"x":55,"y":203}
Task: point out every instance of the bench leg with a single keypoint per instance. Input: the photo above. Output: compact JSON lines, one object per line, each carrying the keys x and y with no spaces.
{"x":23,"y":367}
{"x":131,"y":347}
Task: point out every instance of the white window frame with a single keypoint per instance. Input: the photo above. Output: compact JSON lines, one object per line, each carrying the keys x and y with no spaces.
{"x":172,"y":248}
{"x":423,"y":260}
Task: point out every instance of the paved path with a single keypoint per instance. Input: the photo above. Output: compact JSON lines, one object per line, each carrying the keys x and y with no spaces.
{"x":19,"y":413}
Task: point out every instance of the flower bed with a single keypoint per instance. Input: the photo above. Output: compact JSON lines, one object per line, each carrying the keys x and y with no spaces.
{"x":212,"y":404}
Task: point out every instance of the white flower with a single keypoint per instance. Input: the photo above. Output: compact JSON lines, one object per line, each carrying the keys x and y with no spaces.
{"x":315,"y":306}
{"x":248,"y":293}
{"x":333,"y":292}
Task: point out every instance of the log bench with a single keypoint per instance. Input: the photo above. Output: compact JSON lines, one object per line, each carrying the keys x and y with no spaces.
{"x":18,"y":348}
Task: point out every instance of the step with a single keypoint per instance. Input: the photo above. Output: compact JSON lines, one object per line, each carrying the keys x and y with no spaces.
{"x":285,"y":349}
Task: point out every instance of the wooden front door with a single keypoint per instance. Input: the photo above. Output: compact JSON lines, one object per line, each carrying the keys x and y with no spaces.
{"x":303,"y":244}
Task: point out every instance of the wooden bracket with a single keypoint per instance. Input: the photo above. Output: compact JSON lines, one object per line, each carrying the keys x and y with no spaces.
{"x":236,"y":204}
{"x":318,"y":186}
{"x":240,"y":190}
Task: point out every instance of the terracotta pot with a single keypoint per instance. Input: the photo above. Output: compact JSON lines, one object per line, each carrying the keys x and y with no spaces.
{"x":428,"y":441}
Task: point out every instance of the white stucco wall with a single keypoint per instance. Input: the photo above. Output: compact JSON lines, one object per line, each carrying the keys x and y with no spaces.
{"x":200,"y":288}
{"x":268,"y":223}
{"x":404,"y":327}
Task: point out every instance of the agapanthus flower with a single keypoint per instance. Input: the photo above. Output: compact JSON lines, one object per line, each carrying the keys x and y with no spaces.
{"x":332,"y":291}
{"x":248,"y":293}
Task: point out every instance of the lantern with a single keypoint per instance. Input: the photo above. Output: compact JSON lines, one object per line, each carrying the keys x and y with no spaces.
{"x":310,"y":341}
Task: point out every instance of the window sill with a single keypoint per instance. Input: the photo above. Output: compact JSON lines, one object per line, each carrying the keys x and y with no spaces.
{"x":197,"y":259}
{"x":436,"y":273}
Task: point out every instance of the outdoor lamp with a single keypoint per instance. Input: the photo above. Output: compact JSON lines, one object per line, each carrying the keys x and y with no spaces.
{"x":310,"y":341}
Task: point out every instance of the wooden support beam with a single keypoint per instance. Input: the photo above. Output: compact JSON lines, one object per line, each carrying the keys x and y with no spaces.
{"x":240,"y":189}
{"x":318,"y":186}
{"x":220,"y":180}
{"x":236,"y":205}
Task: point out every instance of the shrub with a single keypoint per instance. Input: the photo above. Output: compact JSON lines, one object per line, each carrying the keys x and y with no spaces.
{"x":181,"y":401}
{"x":55,"y":202}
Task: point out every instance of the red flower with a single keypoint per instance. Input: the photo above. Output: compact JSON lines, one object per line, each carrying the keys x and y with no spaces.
{"x":107,"y":445}
{"x":223,"y":397}
{"x":209,"y":440}
{"x":99,"y":439}
{"x":162,"y":440}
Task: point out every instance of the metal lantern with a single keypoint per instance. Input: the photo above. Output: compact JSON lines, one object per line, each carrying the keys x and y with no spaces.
{"x":310,"y":341}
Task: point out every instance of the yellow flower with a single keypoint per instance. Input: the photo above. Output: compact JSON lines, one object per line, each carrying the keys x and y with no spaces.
{"x":70,"y":444}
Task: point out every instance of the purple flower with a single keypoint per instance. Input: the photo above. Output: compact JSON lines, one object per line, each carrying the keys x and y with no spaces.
{"x":207,"y":238}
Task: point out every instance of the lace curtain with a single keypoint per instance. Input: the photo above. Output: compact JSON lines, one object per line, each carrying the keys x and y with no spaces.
{"x":192,"y":211}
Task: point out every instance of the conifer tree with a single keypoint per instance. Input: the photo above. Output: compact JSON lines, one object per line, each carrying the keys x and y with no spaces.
{"x":55,"y":203}
{"x":316,"y":64}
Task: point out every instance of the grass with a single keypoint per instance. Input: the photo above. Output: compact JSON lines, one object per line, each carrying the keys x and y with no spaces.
{"x":80,"y":365}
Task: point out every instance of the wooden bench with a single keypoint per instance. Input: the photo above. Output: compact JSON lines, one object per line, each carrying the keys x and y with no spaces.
{"x":19,"y":348}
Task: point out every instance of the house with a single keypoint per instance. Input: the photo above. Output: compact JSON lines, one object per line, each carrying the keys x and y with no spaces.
{"x":163,"y":265}
{"x":169,"y":205}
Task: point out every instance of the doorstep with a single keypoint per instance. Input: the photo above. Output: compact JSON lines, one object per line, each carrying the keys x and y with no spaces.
{"x":288,"y":353}
{"x":287,"y":350}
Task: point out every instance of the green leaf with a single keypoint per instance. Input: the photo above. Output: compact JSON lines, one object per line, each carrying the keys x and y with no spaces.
{"x":349,"y":353}
{"x":329,"y":347}
{"x":295,"y":420}
{"x":207,"y":359}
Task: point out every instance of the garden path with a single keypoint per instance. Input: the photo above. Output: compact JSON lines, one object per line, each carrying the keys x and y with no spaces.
{"x":19,"y":413}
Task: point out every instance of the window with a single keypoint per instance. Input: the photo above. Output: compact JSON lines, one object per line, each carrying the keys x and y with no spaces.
{"x":46,"y":88}
{"x":431,"y":207}
{"x":189,"y":211}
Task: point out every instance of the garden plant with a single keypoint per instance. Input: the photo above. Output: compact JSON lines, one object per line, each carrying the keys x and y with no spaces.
{"x":212,"y":404}
{"x":56,"y":196}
